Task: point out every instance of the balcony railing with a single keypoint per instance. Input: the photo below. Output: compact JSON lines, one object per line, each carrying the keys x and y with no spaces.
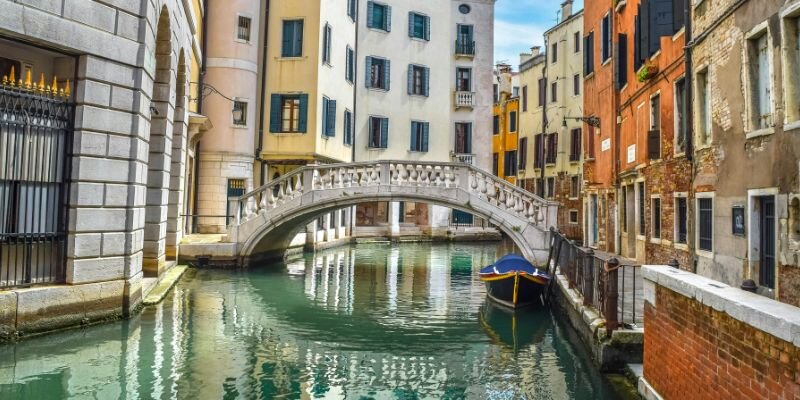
{"x":465,"y":99}
{"x":464,"y":158}
{"x":465,"y":47}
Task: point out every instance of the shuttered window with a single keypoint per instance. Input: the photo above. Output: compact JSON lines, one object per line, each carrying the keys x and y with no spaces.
{"x":523,"y":153}
{"x":606,"y":38}
{"x":705,"y":230}
{"x":542,"y":92}
{"x":495,"y":164}
{"x":418,"y":80}
{"x":350,"y":68}
{"x":419,"y":26}
{"x":622,"y":60}
{"x":551,"y":187}
{"x":496,"y":125}
{"x":510,"y":163}
{"x":292,"y":44}
{"x":654,"y":134}
{"x":552,"y":148}
{"x":328,"y":117}
{"x":378,"y":73}
{"x":327,"y":37}
{"x":575,"y":145}
{"x":378,"y":132}
{"x":681,"y":218}
{"x":576,"y":85}
{"x":512,"y":122}
{"x":575,"y":186}
{"x":762,"y":93}
{"x":379,"y":16}
{"x":588,"y":54}
{"x":463,"y":138}
{"x":288,"y":113}
{"x":419,"y":136}
{"x":538,"y":156}
{"x":351,"y":9}
{"x":348,"y":127}
{"x":655,"y":211}
{"x":680,"y":115}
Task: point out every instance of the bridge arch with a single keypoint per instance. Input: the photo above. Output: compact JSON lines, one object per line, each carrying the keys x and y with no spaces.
{"x":268,"y":217}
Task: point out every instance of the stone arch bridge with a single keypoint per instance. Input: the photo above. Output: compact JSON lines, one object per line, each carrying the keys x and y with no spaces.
{"x":267,"y":218}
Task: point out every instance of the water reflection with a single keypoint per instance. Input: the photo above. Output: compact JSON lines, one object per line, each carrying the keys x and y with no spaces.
{"x":373,"y":321}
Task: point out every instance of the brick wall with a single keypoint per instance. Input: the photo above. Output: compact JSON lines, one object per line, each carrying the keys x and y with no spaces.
{"x":789,"y":284}
{"x":572,"y":231}
{"x":693,"y":351}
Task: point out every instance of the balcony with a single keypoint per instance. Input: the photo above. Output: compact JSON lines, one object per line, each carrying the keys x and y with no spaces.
{"x":465,"y":99}
{"x":465,"y":48}
{"x":463,"y":158}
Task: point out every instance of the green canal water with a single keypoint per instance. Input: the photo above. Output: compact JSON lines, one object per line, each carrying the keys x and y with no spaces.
{"x":370,"y":321}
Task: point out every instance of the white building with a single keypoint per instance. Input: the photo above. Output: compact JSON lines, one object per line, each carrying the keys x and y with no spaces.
{"x":423,"y":92}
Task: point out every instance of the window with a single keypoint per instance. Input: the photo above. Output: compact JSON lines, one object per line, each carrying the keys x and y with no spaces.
{"x":680,"y":116}
{"x":523,"y":153}
{"x":465,"y":44}
{"x":379,"y":16}
{"x":573,"y":217}
{"x":236,"y":187}
{"x":349,"y":72}
{"x":538,"y":157}
{"x":554,"y":53}
{"x":464,"y":79}
{"x":240,"y":113}
{"x":419,"y":26}
{"x":655,"y":211}
{"x":654,"y":134}
{"x":681,"y":218}
{"x":328,"y":127}
{"x":791,"y":61}
{"x":495,"y":164}
{"x":588,"y":54}
{"x":641,"y":208}
{"x":554,"y":92}
{"x":464,"y":9}
{"x":577,"y":42}
{"x":624,"y":209}
{"x":418,"y":80}
{"x":378,"y":73}
{"x":463,"y":138}
{"x":512,"y":121}
{"x":542,"y":92}
{"x":326,"y":45}
{"x":761,"y":90}
{"x":243,"y":28}
{"x":622,"y":60}
{"x":288,"y":113}
{"x":552,"y":148}
{"x":351,"y":9}
{"x":496,"y":94}
{"x":525,"y":98}
{"x":510,"y":163}
{"x":705,"y":221}
{"x":590,"y":143}
{"x":348,"y":127}
{"x":703,"y":111}
{"x":419,"y":136}
{"x":574,"y":186}
{"x":292,"y":45}
{"x":551,"y":187}
{"x":515,"y":91}
{"x":496,"y":125}
{"x":576,"y":85}
{"x":575,"y":145}
{"x":378,"y":133}
{"x":606,"y":38}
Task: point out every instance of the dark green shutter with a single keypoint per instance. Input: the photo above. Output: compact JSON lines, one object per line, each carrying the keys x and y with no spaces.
{"x":368,"y":71}
{"x":410,"y":79}
{"x":427,"y":28}
{"x":386,"y":74}
{"x":426,"y":81}
{"x":411,"y":24}
{"x":413,"y":136}
{"x":302,"y":125}
{"x":275,"y":113}
{"x":425,"y":129}
{"x":370,"y":14}
{"x":331,"y":118}
{"x":384,"y":133}
{"x":387,"y":19}
{"x":287,"y":38}
{"x":324,"y":124}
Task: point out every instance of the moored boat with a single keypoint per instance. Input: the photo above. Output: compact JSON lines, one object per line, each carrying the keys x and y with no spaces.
{"x":514,"y":282}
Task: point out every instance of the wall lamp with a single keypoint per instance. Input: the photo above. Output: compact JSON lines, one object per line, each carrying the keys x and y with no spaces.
{"x":591,"y":121}
{"x":208,"y":90}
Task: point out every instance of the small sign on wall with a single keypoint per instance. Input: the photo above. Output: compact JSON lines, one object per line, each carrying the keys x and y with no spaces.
{"x":737,"y":220}
{"x":631,"y":153}
{"x":605,"y":145}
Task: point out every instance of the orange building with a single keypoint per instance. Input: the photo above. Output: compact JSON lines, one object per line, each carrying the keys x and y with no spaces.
{"x":505,"y":129}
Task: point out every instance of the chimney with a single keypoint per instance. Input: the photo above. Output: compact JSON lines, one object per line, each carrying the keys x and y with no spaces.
{"x":566,"y":9}
{"x":504,"y":80}
{"x":524,"y":57}
{"x":535,"y":50}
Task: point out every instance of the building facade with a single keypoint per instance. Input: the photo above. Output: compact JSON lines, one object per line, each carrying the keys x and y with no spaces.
{"x":746,"y":148}
{"x":531,"y":115}
{"x":506,"y":155}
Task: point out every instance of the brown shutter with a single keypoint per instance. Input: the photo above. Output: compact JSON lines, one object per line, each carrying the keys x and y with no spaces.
{"x":654,"y":145}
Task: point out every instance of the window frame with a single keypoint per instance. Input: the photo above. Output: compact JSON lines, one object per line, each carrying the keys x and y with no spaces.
{"x":245,"y":112}
{"x":426,"y":35}
{"x":327,"y":41}
{"x":370,"y":139}
{"x":698,"y":197}
{"x":701,"y":105}
{"x":606,"y":50}
{"x":680,"y":121}
{"x":656,"y":220}
{"x":383,"y":83}
{"x":284,"y":51}
{"x":577,"y":217}
{"x":237,"y":37}
{"x":680,"y":196}
{"x":387,"y":16}
{"x":753,"y":126}
{"x":574,"y":184}
{"x":350,"y":67}
{"x":294,"y":110}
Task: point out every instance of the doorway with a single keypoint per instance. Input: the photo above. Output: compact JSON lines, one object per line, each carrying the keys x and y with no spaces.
{"x":766,"y":241}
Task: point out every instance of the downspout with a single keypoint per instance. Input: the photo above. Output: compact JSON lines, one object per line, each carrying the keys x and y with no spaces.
{"x":617,"y":128}
{"x":263,"y":96}
{"x":196,"y":183}
{"x":689,"y":120}
{"x":540,"y":190}
{"x":355,"y":86}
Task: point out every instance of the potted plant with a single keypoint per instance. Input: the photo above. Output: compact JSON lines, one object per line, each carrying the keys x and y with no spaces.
{"x":646,"y":72}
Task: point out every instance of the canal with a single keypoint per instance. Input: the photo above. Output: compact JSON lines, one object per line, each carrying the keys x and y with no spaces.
{"x":373,"y":320}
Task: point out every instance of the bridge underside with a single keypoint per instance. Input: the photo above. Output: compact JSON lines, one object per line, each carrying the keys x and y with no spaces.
{"x":269,"y":233}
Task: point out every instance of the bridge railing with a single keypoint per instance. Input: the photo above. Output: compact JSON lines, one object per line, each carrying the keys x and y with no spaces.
{"x":483,"y":184}
{"x":614,"y":289}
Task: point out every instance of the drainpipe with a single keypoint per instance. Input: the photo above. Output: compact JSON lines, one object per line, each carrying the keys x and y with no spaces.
{"x":355,"y":86}
{"x":196,"y":183}
{"x":261,"y":111}
{"x":616,"y":128}
{"x":540,"y":190}
{"x":689,"y":120}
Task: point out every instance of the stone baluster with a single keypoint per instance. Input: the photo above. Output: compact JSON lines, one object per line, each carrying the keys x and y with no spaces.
{"x":403,"y":173}
{"x":374,"y":176}
{"x":298,"y":186}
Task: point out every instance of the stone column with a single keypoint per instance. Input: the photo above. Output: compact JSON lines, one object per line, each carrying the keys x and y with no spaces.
{"x":326,"y":228}
{"x":394,"y":219}
{"x":311,"y":235}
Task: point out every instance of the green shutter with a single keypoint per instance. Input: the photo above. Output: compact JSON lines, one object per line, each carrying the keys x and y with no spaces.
{"x":331,"y":118}
{"x":368,"y":71}
{"x":427,"y":28}
{"x":302,"y":126}
{"x":287,"y":38}
{"x":370,"y":14}
{"x":275,"y":113}
{"x":387,"y":74}
{"x":413,"y":136}
{"x":324,"y":124}
{"x":410,"y":79}
{"x":426,"y":81}
{"x":384,"y":133}
{"x":411,"y":24}
{"x":425,"y":130}
{"x":387,"y":19}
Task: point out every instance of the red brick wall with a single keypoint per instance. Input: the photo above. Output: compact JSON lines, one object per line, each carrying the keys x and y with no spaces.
{"x":692,"y":351}
{"x":789,"y":284}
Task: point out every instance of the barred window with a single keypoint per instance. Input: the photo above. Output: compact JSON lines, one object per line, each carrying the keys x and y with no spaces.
{"x":243,"y":31}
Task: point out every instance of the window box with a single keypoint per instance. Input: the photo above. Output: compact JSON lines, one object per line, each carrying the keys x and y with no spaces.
{"x":646,"y":72}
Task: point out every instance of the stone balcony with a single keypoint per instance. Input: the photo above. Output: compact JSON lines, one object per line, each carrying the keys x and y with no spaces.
{"x":464,"y":99}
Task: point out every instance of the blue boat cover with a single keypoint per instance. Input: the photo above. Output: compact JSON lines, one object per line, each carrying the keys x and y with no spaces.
{"x":509,"y":264}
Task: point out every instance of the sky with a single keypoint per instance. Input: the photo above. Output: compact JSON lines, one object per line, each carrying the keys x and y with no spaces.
{"x":519,"y":25}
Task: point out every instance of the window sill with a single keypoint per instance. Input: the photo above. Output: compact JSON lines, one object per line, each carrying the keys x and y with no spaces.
{"x":422,"y":96}
{"x":760,"y":132}
{"x":235,"y":126}
{"x":620,"y":5}
{"x":295,"y":58}
{"x":606,"y":62}
{"x":681,"y":246}
{"x":679,"y":33}
{"x":287,"y":133}
{"x":791,"y":126}
{"x":418,"y":39}
{"x":242,"y":41}
{"x":377,"y":89}
{"x":655,"y":240}
{"x":376,"y":148}
{"x":574,"y":162}
{"x":327,"y":64}
{"x":417,"y":152}
{"x":704,"y":253}
{"x":590,"y":75}
{"x":641,"y":238}
{"x":376,"y":29}
{"x":573,"y":198}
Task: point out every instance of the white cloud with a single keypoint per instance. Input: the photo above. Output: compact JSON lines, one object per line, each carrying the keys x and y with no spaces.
{"x":510,"y":39}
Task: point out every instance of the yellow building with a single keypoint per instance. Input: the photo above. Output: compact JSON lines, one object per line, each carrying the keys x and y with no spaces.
{"x":505,"y":129}
{"x":531,"y":77}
